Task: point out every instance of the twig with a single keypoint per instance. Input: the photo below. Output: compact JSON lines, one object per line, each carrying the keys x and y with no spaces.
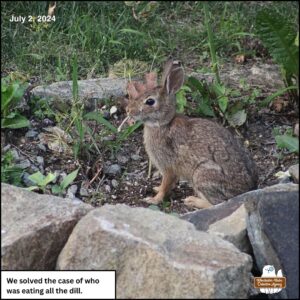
{"x":94,"y":178}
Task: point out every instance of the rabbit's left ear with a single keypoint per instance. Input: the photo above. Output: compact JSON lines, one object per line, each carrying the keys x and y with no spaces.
{"x":174,"y":77}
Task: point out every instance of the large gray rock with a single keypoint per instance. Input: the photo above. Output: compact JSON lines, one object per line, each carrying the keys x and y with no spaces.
{"x":259,"y":75}
{"x":89,"y":90}
{"x":156,"y":255}
{"x":229,"y":219}
{"x":34,"y":228}
{"x":273,"y":229}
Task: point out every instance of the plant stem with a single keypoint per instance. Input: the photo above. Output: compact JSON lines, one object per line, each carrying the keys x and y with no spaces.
{"x":211,"y":44}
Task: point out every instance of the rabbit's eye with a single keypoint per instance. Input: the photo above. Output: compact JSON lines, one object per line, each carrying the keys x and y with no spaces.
{"x":150,"y":101}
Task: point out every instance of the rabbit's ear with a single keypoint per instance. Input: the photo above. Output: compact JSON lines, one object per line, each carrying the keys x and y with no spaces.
{"x":131,"y":90}
{"x":173,"y":77}
{"x":151,"y":80}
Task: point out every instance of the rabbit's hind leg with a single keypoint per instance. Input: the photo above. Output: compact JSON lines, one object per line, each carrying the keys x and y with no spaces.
{"x":197,"y":202}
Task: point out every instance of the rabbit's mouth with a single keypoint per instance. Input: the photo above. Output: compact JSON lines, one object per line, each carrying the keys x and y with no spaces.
{"x":128,"y":120}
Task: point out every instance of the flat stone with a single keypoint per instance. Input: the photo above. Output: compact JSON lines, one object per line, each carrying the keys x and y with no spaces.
{"x":35,"y":228}
{"x":156,"y":255}
{"x":60,"y":93}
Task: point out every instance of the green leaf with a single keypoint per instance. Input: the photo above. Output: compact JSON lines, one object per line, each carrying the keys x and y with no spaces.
{"x":69,"y":179}
{"x":97,"y":117}
{"x":14,"y":121}
{"x":74,"y":78}
{"x":129,"y":30}
{"x":56,"y":189}
{"x":197,"y":85}
{"x":278,"y":35}
{"x":36,"y":177}
{"x":223,"y":102}
{"x":50,"y":177}
{"x":287,"y":141}
{"x":32,"y":188}
{"x":218,"y":89}
{"x":276,"y":94}
{"x":236,"y":119}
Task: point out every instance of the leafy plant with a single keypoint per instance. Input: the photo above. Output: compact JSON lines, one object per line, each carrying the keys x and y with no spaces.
{"x":41,"y":181}
{"x":11,"y":94}
{"x":279,"y":36}
{"x":181,"y":98}
{"x":10,"y":173}
{"x":287,"y":141}
{"x":61,"y":188}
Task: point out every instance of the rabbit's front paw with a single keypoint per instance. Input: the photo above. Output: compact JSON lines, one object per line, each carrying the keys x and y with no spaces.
{"x":153,"y":200}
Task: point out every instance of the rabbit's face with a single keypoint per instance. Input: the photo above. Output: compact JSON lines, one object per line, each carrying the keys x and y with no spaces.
{"x":152,"y":104}
{"x":152,"y":108}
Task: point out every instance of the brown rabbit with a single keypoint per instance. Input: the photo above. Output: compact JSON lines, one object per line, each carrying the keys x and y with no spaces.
{"x":198,"y":150}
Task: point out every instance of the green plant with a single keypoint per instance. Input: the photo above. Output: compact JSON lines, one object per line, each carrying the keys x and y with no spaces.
{"x":61,"y":188}
{"x":211,"y":44}
{"x":286,"y":140}
{"x":40,"y":180}
{"x":279,"y":36}
{"x":181,"y":101}
{"x":10,"y":173}
{"x":11,"y":94}
{"x":214,"y":98}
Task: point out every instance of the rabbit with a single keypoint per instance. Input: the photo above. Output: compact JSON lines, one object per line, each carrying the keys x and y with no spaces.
{"x":195,"y":149}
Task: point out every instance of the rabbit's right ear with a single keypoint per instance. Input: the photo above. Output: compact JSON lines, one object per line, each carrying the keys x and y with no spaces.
{"x":173,"y":77}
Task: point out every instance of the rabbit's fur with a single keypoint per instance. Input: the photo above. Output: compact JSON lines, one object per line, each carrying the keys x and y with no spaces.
{"x":198,"y":150}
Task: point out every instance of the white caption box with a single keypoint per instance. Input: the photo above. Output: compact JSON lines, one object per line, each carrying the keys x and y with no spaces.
{"x":58,"y":285}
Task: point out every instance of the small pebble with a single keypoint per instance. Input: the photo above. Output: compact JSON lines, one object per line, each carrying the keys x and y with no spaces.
{"x":107,"y":188}
{"x":40,"y":160}
{"x":6,"y":148}
{"x":83,"y":192}
{"x":24,"y":164}
{"x":106,"y":115}
{"x":31,"y":133}
{"x":113,"y":110}
{"x":42,"y":147}
{"x":122,"y":159}
{"x":15,"y":154}
{"x":114,"y":169}
{"x":135,"y":157}
{"x":114,"y":183}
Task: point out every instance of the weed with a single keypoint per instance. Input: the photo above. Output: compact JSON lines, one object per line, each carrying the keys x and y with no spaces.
{"x":10,"y":173}
{"x":11,"y":94}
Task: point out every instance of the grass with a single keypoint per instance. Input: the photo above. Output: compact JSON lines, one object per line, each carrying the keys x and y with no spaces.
{"x":102,"y":33}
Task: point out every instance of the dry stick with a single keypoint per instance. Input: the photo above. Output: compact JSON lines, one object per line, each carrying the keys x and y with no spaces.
{"x":94,"y":178}
{"x":122,"y":124}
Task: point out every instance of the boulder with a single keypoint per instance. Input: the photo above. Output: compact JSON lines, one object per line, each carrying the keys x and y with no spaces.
{"x":273,"y":230}
{"x":229,"y":219}
{"x":156,"y":255}
{"x":34,"y":228}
